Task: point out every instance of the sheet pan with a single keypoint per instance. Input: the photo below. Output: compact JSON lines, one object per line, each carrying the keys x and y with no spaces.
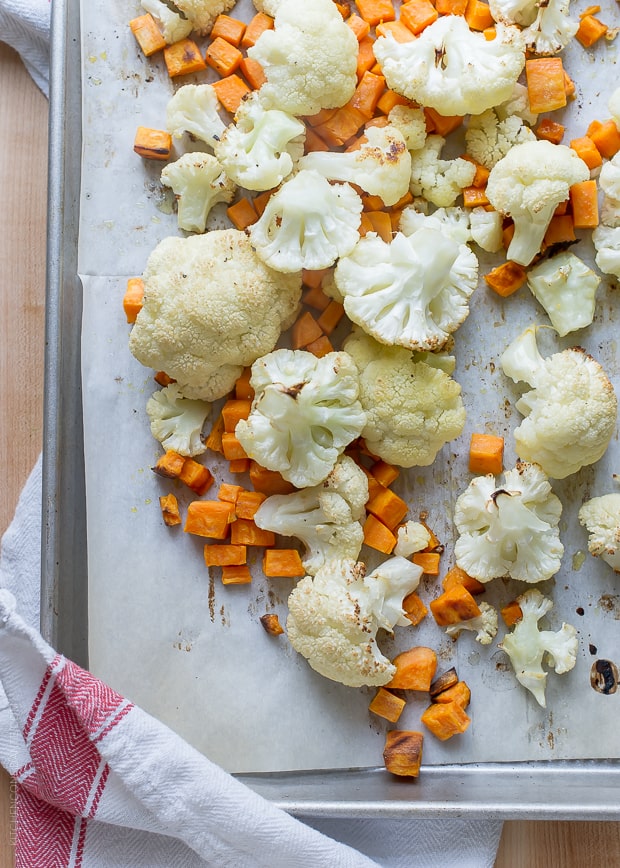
{"x":576,"y":790}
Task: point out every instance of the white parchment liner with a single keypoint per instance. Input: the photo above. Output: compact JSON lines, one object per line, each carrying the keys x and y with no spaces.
{"x":192,"y":652}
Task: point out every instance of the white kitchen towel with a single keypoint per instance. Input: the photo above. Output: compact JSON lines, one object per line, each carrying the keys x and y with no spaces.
{"x":25,"y":25}
{"x":102,"y":784}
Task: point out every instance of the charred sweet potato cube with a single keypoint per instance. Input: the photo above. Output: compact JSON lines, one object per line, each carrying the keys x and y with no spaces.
{"x":453,"y":606}
{"x":402,"y":753}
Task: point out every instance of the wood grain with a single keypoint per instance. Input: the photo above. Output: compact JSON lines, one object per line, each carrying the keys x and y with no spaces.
{"x":23,"y":154}
{"x":23,"y":182}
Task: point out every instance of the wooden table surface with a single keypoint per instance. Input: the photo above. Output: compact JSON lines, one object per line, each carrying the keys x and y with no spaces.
{"x":23,"y":155}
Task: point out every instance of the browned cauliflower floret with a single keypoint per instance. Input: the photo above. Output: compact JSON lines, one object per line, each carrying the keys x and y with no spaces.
{"x":211,"y":308}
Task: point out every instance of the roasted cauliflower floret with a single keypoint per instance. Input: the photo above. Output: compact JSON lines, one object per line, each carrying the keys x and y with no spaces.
{"x":305,"y":412}
{"x":413,"y":292}
{"x":601,"y":518}
{"x":527,"y":646}
{"x":309,"y":58}
{"x":509,"y":528}
{"x":211,"y":308}
{"x":307,"y":223}
{"x":570,"y":411}
{"x":451,"y":68}
{"x":325,"y":517}
{"x":412,"y":407}
{"x":334,"y":618}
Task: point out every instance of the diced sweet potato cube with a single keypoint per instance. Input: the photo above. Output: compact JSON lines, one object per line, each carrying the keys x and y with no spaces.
{"x":170,"y":510}
{"x":222,"y":56}
{"x":196,"y":476}
{"x":384,"y":473}
{"x":147,"y":33}
{"x":285,"y":563}
{"x":486,"y":454}
{"x":269,"y":481}
{"x":414,"y":608}
{"x":454,"y":606}
{"x":402,"y":753}
{"x":245,"y":532}
{"x":511,"y":613}
{"x":415,"y":669}
{"x":457,"y":576}
{"x":459,"y":693}
{"x":236,"y":575}
{"x":152,"y":144}
{"x":231,"y":446}
{"x":169,"y":465}
{"x":233,"y":411}
{"x":183,"y":58}
{"x":445,"y":719}
{"x":271,"y":624}
{"x":228,"y":492}
{"x":228,"y":28}
{"x":386,"y":704}
{"x":378,"y":536}
{"x":220,"y":555}
{"x":247,"y":503}
{"x":209,"y":518}
{"x":447,"y":679}
{"x":388,"y":507}
{"x":429,"y":561}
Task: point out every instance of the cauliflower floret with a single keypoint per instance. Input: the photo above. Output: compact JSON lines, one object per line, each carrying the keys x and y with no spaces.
{"x":198,"y":183}
{"x":484,"y":625}
{"x":510,"y":529}
{"x":269,"y":7}
{"x":606,"y":236}
{"x":488,"y":138}
{"x":518,"y":103}
{"x":334,"y":618}
{"x":211,"y":307}
{"x":194,"y":110}
{"x":552,"y":29}
{"x":486,"y":229}
{"x":521,"y":12}
{"x":452,"y":68}
{"x":411,"y":537}
{"x":307,"y":223}
{"x":452,"y":222}
{"x":326,"y":517}
{"x":309,"y":58}
{"x":411,"y":123}
{"x":177,"y":422}
{"x":601,"y":518}
{"x":304,"y":413}
{"x":381,"y":165}
{"x":202,"y":13}
{"x":528,"y":184}
{"x":261,"y":148}
{"x":412,"y":408}
{"x":566,"y":288}
{"x":606,"y":240}
{"x":437,"y":180}
{"x":609,"y":178}
{"x":570,"y":411}
{"x":173,"y":26}
{"x":613,"y":104}
{"x":526,"y":645}
{"x":413,"y":292}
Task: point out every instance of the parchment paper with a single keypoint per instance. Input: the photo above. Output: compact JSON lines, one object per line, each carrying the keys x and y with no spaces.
{"x":192,"y":652}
